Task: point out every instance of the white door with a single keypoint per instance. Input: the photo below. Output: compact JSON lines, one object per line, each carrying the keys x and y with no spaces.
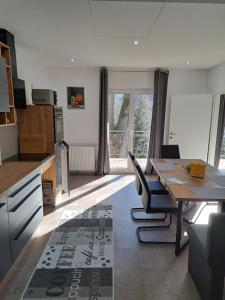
{"x":190,"y":120}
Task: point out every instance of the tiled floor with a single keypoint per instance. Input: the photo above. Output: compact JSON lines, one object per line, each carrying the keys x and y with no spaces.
{"x":142,"y":272}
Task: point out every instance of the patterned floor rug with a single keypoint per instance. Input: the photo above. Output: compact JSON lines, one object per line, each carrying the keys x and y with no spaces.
{"x":77,"y":262}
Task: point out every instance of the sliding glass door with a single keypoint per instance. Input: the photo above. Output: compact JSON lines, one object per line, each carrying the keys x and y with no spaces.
{"x":130,"y":115}
{"x":222,"y":154}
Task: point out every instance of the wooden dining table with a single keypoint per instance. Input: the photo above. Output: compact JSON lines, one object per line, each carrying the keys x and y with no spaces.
{"x":183,"y":188}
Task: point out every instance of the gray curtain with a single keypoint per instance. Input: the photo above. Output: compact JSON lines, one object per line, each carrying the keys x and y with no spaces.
{"x":220,"y":131}
{"x":103,"y":149}
{"x":158,"y":116}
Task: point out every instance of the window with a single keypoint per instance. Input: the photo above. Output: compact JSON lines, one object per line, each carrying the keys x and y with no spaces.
{"x":130,"y":115}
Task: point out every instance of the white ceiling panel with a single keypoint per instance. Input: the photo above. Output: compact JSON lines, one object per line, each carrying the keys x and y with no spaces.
{"x":124,"y":19}
{"x":97,"y":33}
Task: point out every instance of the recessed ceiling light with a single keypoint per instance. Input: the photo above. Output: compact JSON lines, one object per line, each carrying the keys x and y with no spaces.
{"x":72,"y":60}
{"x":136,"y":42}
{"x":188,"y":62}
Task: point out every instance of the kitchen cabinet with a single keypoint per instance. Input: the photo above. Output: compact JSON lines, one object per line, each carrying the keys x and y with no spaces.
{"x":25,"y":209}
{"x":4,"y":94}
{"x":5,"y":249}
{"x":21,"y":205}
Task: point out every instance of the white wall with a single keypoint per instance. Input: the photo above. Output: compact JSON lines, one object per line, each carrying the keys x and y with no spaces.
{"x":80,"y":125}
{"x":187,"y":82}
{"x":216,"y":79}
{"x":135,"y":80}
{"x":30,"y":69}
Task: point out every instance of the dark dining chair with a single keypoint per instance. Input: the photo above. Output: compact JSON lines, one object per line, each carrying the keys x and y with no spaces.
{"x":159,"y":204}
{"x":156,"y":188}
{"x":170,"y":151}
{"x":190,"y":208}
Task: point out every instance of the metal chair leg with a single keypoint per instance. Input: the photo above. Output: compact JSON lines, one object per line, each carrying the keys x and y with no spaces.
{"x":141,"y":209}
{"x":139,"y":229}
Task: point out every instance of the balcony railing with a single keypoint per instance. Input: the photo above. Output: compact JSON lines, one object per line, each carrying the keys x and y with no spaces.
{"x":120,"y":141}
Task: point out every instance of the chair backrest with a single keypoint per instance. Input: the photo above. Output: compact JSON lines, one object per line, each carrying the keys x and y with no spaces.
{"x":137,"y":181}
{"x":131,"y":155}
{"x":146,"y":193}
{"x":216,"y":240}
{"x":170,"y":151}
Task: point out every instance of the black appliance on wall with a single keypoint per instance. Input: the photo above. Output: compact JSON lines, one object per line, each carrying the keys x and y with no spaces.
{"x":18,"y":84}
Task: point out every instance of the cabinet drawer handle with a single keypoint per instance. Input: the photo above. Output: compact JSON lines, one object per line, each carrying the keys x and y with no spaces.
{"x":27,"y":223}
{"x":24,"y":199}
{"x":2,"y":204}
{"x":23,"y":186}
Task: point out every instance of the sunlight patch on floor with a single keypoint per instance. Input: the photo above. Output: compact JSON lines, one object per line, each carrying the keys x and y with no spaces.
{"x":101,"y":191}
{"x":105,"y":192}
{"x":88,"y":187}
{"x":206,"y":211}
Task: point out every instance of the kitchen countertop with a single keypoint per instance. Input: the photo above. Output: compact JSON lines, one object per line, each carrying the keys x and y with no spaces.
{"x":13,"y":171}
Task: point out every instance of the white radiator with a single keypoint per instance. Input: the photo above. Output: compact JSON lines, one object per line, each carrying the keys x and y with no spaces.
{"x":82,"y":158}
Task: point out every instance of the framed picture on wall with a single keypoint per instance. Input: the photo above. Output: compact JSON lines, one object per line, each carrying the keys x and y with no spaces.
{"x":75,"y":97}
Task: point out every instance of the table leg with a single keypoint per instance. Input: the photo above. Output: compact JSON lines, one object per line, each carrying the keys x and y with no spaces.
{"x":179,"y":222}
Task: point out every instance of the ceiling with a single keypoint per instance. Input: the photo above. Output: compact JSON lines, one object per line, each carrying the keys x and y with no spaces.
{"x":101,"y":33}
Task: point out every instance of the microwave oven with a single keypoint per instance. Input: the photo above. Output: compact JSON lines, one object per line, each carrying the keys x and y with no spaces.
{"x":44,"y":96}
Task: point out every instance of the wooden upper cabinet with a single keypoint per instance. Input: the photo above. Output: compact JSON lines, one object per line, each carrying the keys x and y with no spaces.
{"x":7,"y":109}
{"x":36,"y":129}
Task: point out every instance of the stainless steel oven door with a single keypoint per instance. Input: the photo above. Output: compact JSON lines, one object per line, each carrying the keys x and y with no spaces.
{"x":59,"y":130}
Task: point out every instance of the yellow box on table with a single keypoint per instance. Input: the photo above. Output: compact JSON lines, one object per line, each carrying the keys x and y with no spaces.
{"x":196,"y":169}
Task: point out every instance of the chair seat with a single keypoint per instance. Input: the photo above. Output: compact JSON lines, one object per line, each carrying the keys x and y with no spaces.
{"x":157,"y":188}
{"x":198,"y":235}
{"x":163,"y":203}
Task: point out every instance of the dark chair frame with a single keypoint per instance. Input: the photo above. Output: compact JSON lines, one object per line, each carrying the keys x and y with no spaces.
{"x":139,"y":191}
{"x":146,"y":199}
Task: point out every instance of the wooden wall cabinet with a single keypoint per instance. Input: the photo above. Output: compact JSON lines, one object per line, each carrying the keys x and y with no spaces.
{"x":36,"y":130}
{"x":8,"y":118}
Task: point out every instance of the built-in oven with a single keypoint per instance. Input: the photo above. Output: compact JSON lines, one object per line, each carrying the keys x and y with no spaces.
{"x":58,"y":122}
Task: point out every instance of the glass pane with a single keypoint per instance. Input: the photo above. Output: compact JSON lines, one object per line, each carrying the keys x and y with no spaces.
{"x":222,"y":154}
{"x":143,"y":104}
{"x":118,"y":129}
